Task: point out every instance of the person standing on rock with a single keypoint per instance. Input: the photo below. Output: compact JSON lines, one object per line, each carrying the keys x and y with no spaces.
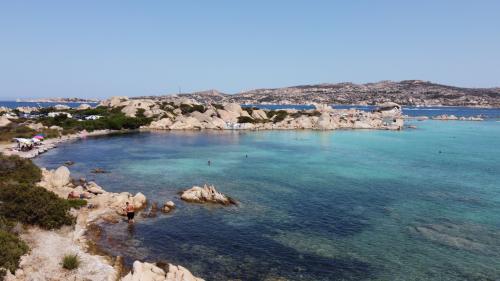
{"x":129,"y":208}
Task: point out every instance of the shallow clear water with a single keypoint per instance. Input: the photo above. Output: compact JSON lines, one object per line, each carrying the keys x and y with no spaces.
{"x":419,"y":204}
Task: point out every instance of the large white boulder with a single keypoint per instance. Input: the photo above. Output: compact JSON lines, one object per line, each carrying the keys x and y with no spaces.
{"x":186,"y":123}
{"x":139,"y":200}
{"x":132,"y":106}
{"x":162,"y":124}
{"x":113,"y":101}
{"x":206,"y":194}
{"x":84,"y":106}
{"x":259,"y":114}
{"x":228,"y":116}
{"x":233,"y":107}
{"x":61,"y":107}
{"x":325,"y":122}
{"x":60,"y":177}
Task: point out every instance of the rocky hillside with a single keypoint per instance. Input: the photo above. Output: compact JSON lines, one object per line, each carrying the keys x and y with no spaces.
{"x":409,"y":92}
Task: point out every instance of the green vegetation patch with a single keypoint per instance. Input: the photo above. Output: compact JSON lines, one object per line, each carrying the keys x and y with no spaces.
{"x":23,"y":201}
{"x":280,"y":115}
{"x":70,"y":261}
{"x":246,"y":119}
{"x":11,"y":249}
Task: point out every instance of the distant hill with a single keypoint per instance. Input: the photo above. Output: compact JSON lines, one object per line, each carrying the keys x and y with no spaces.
{"x":408,"y":92}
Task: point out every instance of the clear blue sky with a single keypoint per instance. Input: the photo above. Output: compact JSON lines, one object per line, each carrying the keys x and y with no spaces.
{"x":104,"y":48}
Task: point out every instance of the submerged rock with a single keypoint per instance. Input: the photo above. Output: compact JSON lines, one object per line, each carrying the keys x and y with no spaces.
{"x":206,"y":194}
{"x":168,"y":206}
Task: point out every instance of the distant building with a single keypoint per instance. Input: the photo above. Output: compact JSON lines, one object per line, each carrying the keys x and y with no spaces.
{"x":93,"y":117}
{"x":54,"y":114}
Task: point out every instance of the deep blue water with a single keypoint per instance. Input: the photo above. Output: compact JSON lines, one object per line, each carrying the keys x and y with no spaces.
{"x":420,"y":204}
{"x":14,"y":104}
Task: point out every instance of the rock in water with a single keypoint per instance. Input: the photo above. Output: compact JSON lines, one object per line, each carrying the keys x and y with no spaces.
{"x":150,"y":272}
{"x":168,"y":206}
{"x":206,"y":194}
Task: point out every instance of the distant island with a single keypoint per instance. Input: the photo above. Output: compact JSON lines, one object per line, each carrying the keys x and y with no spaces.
{"x":408,"y":92}
{"x":59,"y":100}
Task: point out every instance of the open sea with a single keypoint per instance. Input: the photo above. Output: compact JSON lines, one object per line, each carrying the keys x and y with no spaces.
{"x":417,"y":204}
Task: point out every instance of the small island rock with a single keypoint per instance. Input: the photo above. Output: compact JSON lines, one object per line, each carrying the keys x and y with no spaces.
{"x":206,"y":194}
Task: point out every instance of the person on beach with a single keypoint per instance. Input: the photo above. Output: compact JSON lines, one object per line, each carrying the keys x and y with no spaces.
{"x":129,"y":208}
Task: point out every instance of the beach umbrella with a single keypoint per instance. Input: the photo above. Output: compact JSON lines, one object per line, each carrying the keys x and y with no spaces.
{"x":39,"y":137}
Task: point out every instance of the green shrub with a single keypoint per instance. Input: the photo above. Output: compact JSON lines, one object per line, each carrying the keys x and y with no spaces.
{"x":77,"y":203}
{"x":14,"y":130}
{"x":280,"y":115}
{"x":34,"y":205}
{"x":21,"y":200}
{"x":218,"y":106}
{"x":245,"y":119}
{"x":14,"y":169}
{"x":189,"y":108}
{"x":70,"y":261}
{"x":11,"y":249}
{"x":140,"y":112}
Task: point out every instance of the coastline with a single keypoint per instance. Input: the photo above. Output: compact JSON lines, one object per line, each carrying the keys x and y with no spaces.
{"x":43,"y":259}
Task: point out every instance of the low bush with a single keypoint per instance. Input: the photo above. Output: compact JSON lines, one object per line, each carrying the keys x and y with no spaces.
{"x":77,"y":203}
{"x":70,"y":261}
{"x":21,"y":200}
{"x":11,"y":249}
{"x":218,"y":106}
{"x":280,"y":115}
{"x":14,"y":130}
{"x":14,"y":169}
{"x":245,"y":119}
{"x":34,"y":205}
{"x":189,"y":108}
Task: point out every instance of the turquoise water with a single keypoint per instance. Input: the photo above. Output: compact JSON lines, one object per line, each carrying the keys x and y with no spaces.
{"x":420,"y":204}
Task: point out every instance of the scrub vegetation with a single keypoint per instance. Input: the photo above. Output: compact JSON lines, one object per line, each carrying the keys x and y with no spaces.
{"x":22,"y":202}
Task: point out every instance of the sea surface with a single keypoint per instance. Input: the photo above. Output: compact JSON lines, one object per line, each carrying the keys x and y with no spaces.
{"x":14,"y":104}
{"x":417,"y":204}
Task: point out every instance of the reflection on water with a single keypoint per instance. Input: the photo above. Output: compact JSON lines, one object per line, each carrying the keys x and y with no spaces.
{"x":343,"y":205}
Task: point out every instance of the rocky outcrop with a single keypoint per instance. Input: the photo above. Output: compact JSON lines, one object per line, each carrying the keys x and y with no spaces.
{"x":325,"y":122}
{"x":55,"y":179}
{"x":144,"y":271}
{"x":185,"y":123}
{"x":259,"y":114}
{"x":114,"y":101}
{"x":162,"y":124}
{"x":84,"y":106}
{"x":228,"y":116}
{"x":206,"y":194}
{"x":4,"y":121}
{"x":168,"y":206}
{"x":445,"y":117}
{"x":61,"y":107}
{"x":389,"y":109}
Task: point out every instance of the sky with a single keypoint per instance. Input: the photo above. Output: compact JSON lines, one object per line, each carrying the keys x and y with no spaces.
{"x":103,"y":48}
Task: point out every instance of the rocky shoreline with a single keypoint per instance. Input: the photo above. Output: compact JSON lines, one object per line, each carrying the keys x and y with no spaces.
{"x":43,"y":260}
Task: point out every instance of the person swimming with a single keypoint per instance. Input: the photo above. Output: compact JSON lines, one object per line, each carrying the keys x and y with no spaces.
{"x":209,"y":162}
